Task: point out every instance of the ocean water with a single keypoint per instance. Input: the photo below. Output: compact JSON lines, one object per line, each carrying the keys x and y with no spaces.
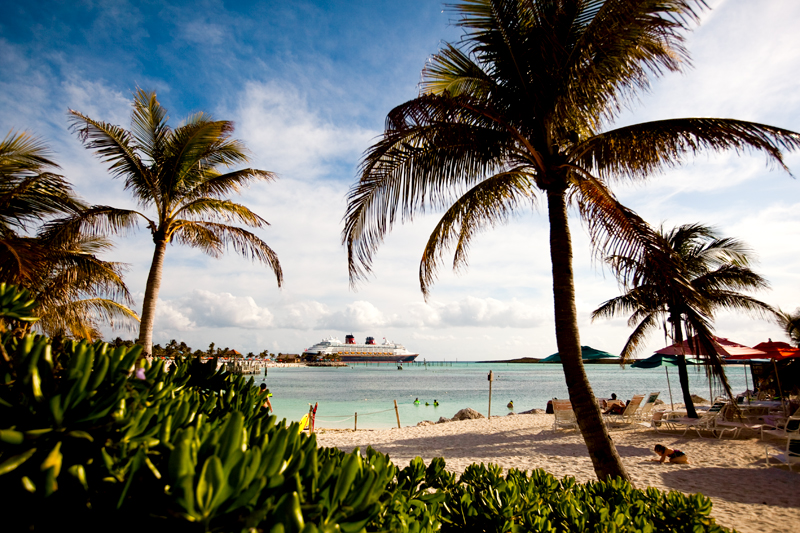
{"x":370,"y":390}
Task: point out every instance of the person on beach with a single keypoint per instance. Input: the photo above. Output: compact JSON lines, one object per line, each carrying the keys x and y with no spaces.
{"x":674,"y":456}
{"x":614,"y":406}
{"x":267,"y":404}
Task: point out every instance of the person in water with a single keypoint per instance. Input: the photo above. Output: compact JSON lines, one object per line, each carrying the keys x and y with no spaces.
{"x":674,"y":456}
{"x":510,"y":404}
{"x":416,"y":401}
{"x":436,"y":403}
{"x":267,"y":404}
{"x":426,"y":403}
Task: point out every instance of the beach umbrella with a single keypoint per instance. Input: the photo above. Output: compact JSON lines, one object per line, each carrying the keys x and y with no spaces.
{"x":587,"y":354}
{"x":665,"y":360}
{"x":777,"y":351}
{"x":725,"y":348}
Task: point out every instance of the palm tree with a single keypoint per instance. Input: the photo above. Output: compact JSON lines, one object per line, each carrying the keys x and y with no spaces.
{"x":516,"y":111}
{"x":76,"y":291}
{"x":30,"y":192}
{"x":175,"y":172}
{"x":790,"y":322}
{"x":709,"y":274}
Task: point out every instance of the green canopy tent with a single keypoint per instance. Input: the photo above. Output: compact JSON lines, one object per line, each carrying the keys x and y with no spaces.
{"x":587,"y":354}
{"x":664,"y":360}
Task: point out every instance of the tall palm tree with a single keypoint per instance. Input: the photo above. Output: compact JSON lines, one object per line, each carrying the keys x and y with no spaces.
{"x":709,"y":274}
{"x":517,"y":111}
{"x":790,"y":322}
{"x":176,"y":173}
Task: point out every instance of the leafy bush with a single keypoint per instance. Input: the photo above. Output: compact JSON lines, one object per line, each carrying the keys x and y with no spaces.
{"x":91,"y":435}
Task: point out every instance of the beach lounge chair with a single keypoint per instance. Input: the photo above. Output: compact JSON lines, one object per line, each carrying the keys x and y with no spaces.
{"x":790,"y":457}
{"x":706,"y":422}
{"x":564,"y":416}
{"x":645,"y":412}
{"x":629,"y":414}
{"x":788,"y":427}
{"x":728,"y":419}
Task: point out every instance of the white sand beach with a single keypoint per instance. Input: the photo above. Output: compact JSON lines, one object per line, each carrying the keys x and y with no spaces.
{"x":746,"y":495}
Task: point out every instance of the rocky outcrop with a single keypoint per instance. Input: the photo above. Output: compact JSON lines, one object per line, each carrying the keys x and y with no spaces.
{"x":468,"y":414}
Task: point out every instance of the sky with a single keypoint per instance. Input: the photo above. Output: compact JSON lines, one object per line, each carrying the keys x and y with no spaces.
{"x":309,"y":85}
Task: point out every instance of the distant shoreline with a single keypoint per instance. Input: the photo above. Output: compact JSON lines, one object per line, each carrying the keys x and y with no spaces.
{"x":535,"y":360}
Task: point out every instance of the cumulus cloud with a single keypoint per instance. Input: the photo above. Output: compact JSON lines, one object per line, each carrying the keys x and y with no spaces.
{"x":278,"y":125}
{"x":205,"y":309}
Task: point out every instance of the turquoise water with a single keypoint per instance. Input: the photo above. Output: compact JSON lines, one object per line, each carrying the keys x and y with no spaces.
{"x":369,"y":390}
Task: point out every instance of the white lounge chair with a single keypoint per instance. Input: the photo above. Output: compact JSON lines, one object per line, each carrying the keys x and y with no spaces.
{"x":564,"y":415}
{"x":706,"y":422}
{"x":645,"y":412}
{"x":729,"y":420}
{"x":629,"y":414}
{"x":788,"y":427}
{"x":790,"y":457}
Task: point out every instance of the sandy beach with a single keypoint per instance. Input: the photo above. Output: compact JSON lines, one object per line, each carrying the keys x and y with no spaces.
{"x":746,"y":495}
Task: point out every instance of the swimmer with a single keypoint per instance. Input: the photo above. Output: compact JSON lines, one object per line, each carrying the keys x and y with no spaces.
{"x":436,"y":403}
{"x":416,"y":401}
{"x":674,"y":456}
{"x":510,"y":404}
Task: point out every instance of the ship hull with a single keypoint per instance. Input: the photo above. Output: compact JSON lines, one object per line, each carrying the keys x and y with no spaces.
{"x":378,"y":358}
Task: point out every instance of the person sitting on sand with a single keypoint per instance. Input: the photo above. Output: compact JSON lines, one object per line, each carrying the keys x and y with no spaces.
{"x":674,"y":456}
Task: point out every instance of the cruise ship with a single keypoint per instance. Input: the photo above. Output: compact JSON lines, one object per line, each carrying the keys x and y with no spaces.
{"x":350,"y":352}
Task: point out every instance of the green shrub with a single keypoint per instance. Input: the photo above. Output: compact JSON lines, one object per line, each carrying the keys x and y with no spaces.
{"x":91,"y":435}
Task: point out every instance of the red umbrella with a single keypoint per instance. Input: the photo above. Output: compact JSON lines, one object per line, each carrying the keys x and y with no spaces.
{"x":724,"y":348}
{"x":777,"y":351}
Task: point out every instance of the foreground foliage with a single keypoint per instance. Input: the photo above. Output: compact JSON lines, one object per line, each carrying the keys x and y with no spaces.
{"x":89,"y":437}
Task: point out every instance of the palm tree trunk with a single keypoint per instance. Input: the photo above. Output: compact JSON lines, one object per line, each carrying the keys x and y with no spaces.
{"x":683,"y":373}
{"x":151,"y":297}
{"x":605,"y":459}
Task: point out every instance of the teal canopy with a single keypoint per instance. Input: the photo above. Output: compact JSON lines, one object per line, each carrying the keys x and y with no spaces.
{"x":658,"y":359}
{"x":587,"y":353}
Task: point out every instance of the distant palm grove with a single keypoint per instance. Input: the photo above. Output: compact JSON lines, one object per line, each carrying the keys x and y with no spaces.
{"x":519,"y":112}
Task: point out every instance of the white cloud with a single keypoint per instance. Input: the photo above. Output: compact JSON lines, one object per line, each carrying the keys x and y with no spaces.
{"x":282,"y":129}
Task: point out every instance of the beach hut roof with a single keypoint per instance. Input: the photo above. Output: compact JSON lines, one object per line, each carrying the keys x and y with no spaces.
{"x":587,"y":353}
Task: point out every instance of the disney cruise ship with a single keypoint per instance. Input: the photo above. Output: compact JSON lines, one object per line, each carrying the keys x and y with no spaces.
{"x":350,"y":352}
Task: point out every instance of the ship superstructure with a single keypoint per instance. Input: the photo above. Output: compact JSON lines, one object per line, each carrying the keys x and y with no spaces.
{"x":369,"y":351}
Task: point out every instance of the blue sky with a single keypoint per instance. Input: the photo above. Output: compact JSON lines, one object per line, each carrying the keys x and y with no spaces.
{"x":309,"y":85}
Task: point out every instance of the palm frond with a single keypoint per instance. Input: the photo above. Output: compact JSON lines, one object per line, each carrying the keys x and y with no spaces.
{"x":487,"y":204}
{"x":149,"y":125}
{"x":640,"y":150}
{"x":116,"y":147}
{"x":211,"y":209}
{"x":215,"y":185}
{"x":29,"y":189}
{"x":209,"y":236}
{"x":97,"y":220}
